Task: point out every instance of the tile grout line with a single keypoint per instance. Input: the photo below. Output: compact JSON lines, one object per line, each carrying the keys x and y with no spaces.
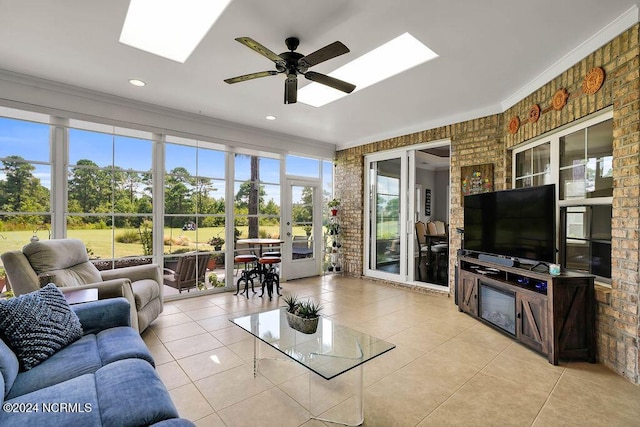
{"x":464,"y":384}
{"x":564,"y":370}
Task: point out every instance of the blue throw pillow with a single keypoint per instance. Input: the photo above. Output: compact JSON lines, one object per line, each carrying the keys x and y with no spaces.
{"x":37,"y":324}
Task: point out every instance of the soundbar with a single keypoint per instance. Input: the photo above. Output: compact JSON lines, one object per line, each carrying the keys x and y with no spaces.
{"x":507,"y":262}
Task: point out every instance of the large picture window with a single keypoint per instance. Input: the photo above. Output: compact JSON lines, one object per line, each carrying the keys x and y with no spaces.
{"x":579,"y":160}
{"x":25,"y":181}
{"x":194,"y":211}
{"x":136,"y":196}
{"x":109,"y":200}
{"x":257,"y":197}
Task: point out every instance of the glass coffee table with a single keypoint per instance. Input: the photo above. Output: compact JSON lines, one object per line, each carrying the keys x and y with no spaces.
{"x":331,"y":351}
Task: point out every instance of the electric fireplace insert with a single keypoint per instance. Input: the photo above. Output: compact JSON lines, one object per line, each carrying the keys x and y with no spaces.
{"x":498,"y":307}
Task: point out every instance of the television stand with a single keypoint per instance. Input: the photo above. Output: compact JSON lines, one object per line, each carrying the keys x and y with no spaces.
{"x":544,"y":264}
{"x":553,"y":315}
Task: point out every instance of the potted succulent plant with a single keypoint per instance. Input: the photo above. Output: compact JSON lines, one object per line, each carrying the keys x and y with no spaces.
{"x":333,"y":205}
{"x":302,"y":316}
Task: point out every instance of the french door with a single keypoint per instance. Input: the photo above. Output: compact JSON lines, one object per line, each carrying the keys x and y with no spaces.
{"x":302,"y":251}
{"x":390,"y":186}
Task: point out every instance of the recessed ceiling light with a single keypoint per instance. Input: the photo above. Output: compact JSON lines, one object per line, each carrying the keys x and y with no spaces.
{"x":168,"y":28}
{"x":398,"y":55}
{"x":270,"y":117}
{"x":137,"y":82}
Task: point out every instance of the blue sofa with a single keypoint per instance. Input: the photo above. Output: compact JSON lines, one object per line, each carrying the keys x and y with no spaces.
{"x":106,"y":378}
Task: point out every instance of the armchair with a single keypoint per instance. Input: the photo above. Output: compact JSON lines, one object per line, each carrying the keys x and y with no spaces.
{"x":65,"y":263}
{"x":188,"y":272}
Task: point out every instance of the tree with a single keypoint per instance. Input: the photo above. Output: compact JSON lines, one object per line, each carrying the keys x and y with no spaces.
{"x":20,"y":191}
{"x":254,"y":199}
{"x":90,"y":187}
{"x":303,"y":212}
{"x":178,"y":192}
{"x":129,"y":182}
{"x":243,"y":195}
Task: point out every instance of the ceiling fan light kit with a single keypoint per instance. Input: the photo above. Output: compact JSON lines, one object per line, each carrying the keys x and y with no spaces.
{"x":293,"y":63}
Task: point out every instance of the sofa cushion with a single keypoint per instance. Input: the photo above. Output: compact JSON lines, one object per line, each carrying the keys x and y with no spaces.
{"x":77,"y":359}
{"x":96,"y":316}
{"x":78,"y":396}
{"x":37,"y":324}
{"x":130,"y":393}
{"x":175,"y":422}
{"x":122,"y":343}
{"x":8,"y":369}
{"x":84,"y":356}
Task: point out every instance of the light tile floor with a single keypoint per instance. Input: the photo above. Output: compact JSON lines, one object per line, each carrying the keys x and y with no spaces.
{"x":447,"y":368}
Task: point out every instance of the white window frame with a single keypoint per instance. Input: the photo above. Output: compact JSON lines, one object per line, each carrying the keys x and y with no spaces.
{"x":554,"y":139}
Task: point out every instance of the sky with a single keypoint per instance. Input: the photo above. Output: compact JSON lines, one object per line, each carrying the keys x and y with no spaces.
{"x":31,"y":141}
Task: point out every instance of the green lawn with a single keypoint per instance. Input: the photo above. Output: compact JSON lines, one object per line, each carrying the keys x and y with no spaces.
{"x":99,"y":242}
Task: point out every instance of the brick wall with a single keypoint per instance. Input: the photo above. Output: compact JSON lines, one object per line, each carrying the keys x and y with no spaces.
{"x":487,"y":140}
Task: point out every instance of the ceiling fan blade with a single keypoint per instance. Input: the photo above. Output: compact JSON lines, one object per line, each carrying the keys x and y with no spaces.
{"x":330,"y":81}
{"x":254,"y":45}
{"x":251,"y":76}
{"x":330,"y":51}
{"x":291,"y":89}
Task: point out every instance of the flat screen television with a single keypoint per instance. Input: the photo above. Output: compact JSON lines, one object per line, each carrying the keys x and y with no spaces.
{"x":518,"y":223}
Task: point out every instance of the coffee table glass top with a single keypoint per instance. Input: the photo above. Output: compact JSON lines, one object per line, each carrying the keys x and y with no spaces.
{"x":332,"y":350}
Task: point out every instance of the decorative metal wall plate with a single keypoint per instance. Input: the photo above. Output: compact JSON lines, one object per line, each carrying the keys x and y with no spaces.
{"x":559,"y":99}
{"x":514,"y":125}
{"x":534,"y":113}
{"x":593,"y":81}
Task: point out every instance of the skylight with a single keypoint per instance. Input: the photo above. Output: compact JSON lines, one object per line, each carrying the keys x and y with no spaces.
{"x":398,"y":55}
{"x":168,"y":28}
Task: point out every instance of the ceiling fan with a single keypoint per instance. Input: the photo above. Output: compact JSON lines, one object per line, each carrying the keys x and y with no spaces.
{"x":293,"y":63}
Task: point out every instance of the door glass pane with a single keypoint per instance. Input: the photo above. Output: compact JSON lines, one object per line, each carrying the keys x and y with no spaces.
{"x":302,"y":221}
{"x":386,"y":229}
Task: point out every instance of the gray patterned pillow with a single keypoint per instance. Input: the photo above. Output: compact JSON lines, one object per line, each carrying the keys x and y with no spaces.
{"x":37,"y":324}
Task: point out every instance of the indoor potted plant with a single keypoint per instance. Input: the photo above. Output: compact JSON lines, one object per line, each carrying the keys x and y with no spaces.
{"x":333,"y":205}
{"x":302,"y":316}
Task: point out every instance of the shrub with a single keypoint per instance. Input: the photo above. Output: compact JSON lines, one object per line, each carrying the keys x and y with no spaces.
{"x":177,"y":241}
{"x":128,"y":236}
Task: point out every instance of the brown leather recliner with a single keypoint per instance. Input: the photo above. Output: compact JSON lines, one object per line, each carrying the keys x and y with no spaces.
{"x":65,"y":263}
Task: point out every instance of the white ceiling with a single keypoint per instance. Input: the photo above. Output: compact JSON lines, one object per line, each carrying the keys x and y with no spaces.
{"x":491,"y":54}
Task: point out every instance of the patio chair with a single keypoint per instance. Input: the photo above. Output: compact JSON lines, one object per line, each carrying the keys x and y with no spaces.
{"x":189,"y":271}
